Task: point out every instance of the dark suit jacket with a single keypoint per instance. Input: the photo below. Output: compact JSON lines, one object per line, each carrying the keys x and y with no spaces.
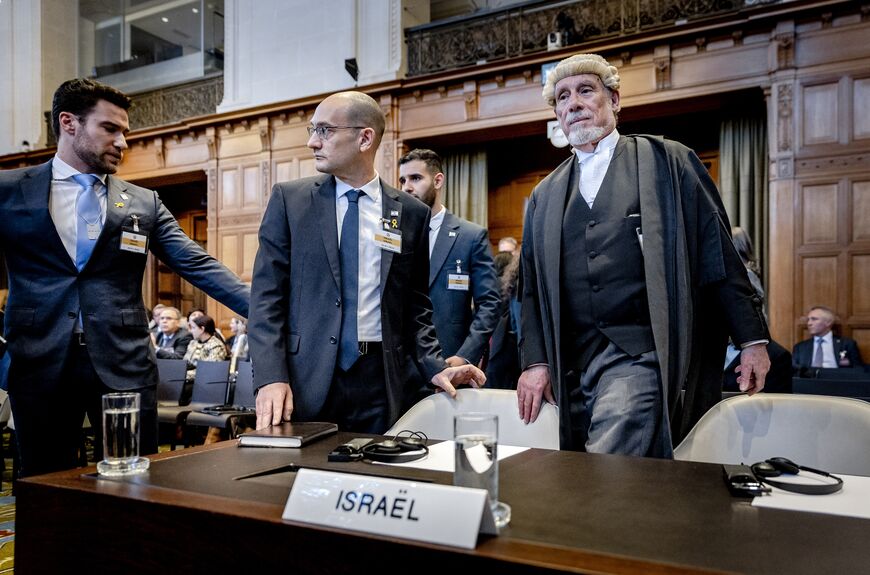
{"x":778,"y":379}
{"x":295,"y":320}
{"x":461,"y":330}
{"x":177,"y":347}
{"x":802,"y":355}
{"x":46,"y":290}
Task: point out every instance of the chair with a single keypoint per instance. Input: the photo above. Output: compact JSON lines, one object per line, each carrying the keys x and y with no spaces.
{"x":830,"y":433}
{"x":171,"y":374}
{"x":433,"y":415}
{"x":837,"y":387}
{"x":228,"y":416}
{"x":209,"y":388}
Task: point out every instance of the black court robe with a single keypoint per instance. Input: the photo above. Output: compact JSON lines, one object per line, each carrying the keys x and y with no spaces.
{"x":697,"y":286}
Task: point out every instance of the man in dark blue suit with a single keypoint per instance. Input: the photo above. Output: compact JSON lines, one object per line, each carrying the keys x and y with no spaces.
{"x":339,"y":289}
{"x":463,"y":285}
{"x":824,"y":349}
{"x":76,"y":240}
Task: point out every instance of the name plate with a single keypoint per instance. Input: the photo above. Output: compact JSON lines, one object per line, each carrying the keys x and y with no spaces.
{"x":440,"y":514}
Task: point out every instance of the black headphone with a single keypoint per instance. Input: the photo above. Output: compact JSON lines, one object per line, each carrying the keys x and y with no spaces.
{"x":776,"y":466}
{"x":398,"y":449}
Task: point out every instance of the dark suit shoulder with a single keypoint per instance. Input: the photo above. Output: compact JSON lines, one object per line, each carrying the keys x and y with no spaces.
{"x":302,"y":184}
{"x":803,"y":343}
{"x":14,"y":176}
{"x":466,"y":226}
{"x":131,"y":188}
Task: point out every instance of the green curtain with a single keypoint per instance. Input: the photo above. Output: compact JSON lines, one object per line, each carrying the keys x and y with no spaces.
{"x":466,"y":188}
{"x":743,"y":179}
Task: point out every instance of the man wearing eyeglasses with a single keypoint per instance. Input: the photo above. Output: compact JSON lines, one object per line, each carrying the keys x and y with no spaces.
{"x":339,"y":294}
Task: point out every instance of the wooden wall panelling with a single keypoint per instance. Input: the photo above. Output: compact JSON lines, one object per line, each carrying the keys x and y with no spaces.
{"x":507,"y":206}
{"x":860,"y":211}
{"x":781,"y":304}
{"x":289,"y":131}
{"x":248,"y":254}
{"x":860,"y":288}
{"x":252,"y":178}
{"x":186,"y":149}
{"x":818,"y":248}
{"x":819,"y":214}
{"x":518,"y":93}
{"x":820,"y":119}
{"x":859,"y":261}
{"x":422,"y":114}
{"x":841,"y":44}
{"x":143,"y":156}
{"x":230,"y":187}
{"x":862,"y":338}
{"x":860,"y":108}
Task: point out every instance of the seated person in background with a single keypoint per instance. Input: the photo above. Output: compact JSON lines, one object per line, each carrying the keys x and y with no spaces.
{"x":171,"y":339}
{"x":778,"y":379}
{"x":237,"y":344}
{"x":824,"y":349}
{"x":508,"y":245}
{"x":205,"y":345}
{"x":196,"y":312}
{"x":154,"y":324}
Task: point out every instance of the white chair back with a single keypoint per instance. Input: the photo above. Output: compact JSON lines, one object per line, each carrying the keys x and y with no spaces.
{"x":830,"y":433}
{"x":433,"y":416}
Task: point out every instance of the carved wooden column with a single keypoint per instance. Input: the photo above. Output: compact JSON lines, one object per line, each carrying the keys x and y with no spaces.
{"x":391,"y":149}
{"x":781,"y":145}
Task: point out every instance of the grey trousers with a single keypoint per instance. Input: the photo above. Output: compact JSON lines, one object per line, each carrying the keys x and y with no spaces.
{"x":616,"y":407}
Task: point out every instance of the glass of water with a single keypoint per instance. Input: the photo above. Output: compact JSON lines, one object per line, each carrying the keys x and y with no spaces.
{"x":121,"y":436}
{"x":476,"y":438}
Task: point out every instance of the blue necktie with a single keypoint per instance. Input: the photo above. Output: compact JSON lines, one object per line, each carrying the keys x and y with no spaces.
{"x":348,"y":350}
{"x":87,"y":214}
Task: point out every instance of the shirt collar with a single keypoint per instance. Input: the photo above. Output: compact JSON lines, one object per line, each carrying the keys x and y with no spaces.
{"x":608,"y":143}
{"x":827,"y":338}
{"x":60,"y":170}
{"x":372,"y":189}
{"x":438,"y":219}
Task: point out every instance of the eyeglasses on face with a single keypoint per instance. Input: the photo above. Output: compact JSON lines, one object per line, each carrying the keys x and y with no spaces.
{"x":325,"y":132}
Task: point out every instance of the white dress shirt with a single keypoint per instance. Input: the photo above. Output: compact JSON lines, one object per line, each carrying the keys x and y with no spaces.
{"x":434,"y":227}
{"x":62,"y":202}
{"x":829,"y":359}
{"x":594,"y":164}
{"x":370,"y":216}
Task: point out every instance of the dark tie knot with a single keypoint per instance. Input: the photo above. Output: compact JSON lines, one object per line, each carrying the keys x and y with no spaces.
{"x":86,"y":180}
{"x":353,"y":195}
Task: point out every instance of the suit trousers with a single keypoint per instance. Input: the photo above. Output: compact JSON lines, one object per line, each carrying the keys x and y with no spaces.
{"x":616,"y":405}
{"x":357,"y":399}
{"x":48,"y":426}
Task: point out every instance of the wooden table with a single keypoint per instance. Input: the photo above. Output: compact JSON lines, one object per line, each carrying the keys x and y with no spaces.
{"x":207,"y":510}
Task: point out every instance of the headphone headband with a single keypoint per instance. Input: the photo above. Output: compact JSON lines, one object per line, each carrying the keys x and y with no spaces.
{"x":776,"y":466}
{"x":396,"y":450}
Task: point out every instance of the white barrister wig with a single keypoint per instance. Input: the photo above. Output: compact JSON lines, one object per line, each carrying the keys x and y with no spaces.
{"x":580,"y":64}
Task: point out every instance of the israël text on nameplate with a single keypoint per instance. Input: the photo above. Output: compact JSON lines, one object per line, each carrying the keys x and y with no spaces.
{"x":440,"y":514}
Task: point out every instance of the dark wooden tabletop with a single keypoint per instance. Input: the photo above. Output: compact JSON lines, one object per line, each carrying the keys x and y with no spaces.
{"x":213,"y":508}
